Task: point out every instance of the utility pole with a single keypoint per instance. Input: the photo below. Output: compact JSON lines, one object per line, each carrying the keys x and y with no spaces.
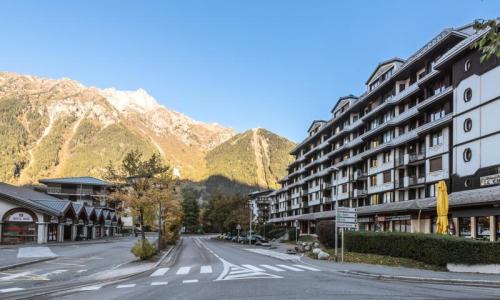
{"x":335,"y":228}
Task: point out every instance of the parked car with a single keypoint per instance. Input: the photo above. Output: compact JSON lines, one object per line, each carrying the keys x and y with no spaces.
{"x":236,"y":239}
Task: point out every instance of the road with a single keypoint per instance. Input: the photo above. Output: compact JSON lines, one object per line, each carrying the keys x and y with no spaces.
{"x":210,"y":269}
{"x":72,"y":264}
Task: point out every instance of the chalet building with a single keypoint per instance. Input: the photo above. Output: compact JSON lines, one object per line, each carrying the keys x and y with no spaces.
{"x":84,"y":190}
{"x":29,"y":216}
{"x":427,"y":118}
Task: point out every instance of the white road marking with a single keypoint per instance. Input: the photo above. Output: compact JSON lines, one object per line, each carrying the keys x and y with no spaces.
{"x":55,"y":272}
{"x":272,"y":268}
{"x":159,"y":283}
{"x":183,"y":271}
{"x":16,"y":289}
{"x":160,"y":272}
{"x":123,"y":286}
{"x":307,"y":268}
{"x":90,"y":288}
{"x":278,"y":255}
{"x":291,"y":268}
{"x":14,"y":276}
{"x":206,"y":269}
{"x":253,"y":268}
{"x":190,"y":281}
{"x":35,"y":252}
{"x":81,"y":271}
{"x":65,"y":264}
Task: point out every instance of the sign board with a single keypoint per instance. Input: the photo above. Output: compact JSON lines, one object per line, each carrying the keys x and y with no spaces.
{"x":20,"y":217}
{"x":54,"y":220}
{"x":398,"y":218}
{"x":107,"y":223}
{"x":91,"y":223}
{"x":238,"y":227}
{"x":69,"y":221}
{"x":80,"y":222}
{"x":296,"y":223}
{"x":114,"y":224}
{"x":346,"y":217}
{"x":489,"y":180}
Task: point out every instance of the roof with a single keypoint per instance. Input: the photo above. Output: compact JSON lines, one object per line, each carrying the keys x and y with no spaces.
{"x":314,"y":123}
{"x":36,"y":200}
{"x":86,"y":180}
{"x":258,"y":193}
{"x":89,"y":210}
{"x":384,"y":63}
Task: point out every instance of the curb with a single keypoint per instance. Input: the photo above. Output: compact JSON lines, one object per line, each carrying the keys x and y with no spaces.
{"x":26,"y":263}
{"x":467,"y":282}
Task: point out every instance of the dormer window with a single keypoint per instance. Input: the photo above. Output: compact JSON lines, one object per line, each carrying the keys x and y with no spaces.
{"x":374,"y":85}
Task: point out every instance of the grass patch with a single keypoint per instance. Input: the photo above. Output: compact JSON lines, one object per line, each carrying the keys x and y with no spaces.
{"x":307,"y":238}
{"x":375,"y":259}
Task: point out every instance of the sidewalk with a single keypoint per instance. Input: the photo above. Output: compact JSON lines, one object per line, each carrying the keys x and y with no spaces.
{"x":396,"y":273}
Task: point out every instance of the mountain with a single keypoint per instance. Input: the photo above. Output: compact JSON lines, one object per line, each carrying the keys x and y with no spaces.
{"x":54,"y":128}
{"x":256,"y":157}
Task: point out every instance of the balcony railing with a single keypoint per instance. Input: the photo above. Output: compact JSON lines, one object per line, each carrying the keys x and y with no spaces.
{"x":416,"y":180}
{"x":359,"y":193}
{"x":416,"y":156}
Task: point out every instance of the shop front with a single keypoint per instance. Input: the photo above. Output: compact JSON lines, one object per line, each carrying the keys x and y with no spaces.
{"x":53,"y":229}
{"x":19,"y":226}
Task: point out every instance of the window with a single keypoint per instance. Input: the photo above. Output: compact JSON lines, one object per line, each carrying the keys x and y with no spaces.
{"x":387,"y":197}
{"x":344,"y":172}
{"x":467,"y":65}
{"x":467,"y":95}
{"x":483,"y":227}
{"x":344,"y":188}
{"x":374,"y":199}
{"x":432,"y":190}
{"x":436,"y":164}
{"x":386,"y":157}
{"x":464,"y":226}
{"x":467,"y":154}
{"x":437,"y":138}
{"x":402,"y":87}
{"x":387,"y":176}
{"x":373,"y":162}
{"x":402,"y":226}
{"x":373,"y":180}
{"x":467,"y":125}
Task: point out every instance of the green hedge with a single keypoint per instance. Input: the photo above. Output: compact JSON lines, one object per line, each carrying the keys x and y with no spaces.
{"x":428,"y":248}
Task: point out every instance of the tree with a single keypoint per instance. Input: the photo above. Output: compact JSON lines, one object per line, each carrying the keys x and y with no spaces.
{"x":148,"y":189}
{"x":190,"y":209}
{"x":489,"y":44}
{"x":225,"y":212}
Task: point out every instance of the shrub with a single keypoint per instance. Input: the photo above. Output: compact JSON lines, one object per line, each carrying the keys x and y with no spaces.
{"x":431,"y":249}
{"x":143,"y":249}
{"x":276,"y":232}
{"x":326,"y":233}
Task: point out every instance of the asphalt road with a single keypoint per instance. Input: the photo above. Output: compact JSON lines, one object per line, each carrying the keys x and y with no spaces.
{"x":73,"y":263}
{"x":211,"y":269}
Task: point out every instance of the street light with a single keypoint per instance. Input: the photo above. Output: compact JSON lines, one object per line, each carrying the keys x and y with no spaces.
{"x":250,"y":204}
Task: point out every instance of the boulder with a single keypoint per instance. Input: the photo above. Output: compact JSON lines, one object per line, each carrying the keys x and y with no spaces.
{"x":307,"y":248}
{"x":316,"y":251}
{"x":322,"y":255}
{"x":315,"y":245}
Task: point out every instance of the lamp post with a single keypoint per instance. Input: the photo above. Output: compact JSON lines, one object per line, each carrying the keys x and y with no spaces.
{"x":250,"y":204}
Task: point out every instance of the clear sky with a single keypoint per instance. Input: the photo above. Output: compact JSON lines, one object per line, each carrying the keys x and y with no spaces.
{"x":243,"y":64}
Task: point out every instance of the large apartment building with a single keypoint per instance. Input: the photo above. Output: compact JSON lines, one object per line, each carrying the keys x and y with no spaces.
{"x":428,"y":118}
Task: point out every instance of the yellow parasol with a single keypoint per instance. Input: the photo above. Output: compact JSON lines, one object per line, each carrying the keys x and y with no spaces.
{"x":442,"y":207}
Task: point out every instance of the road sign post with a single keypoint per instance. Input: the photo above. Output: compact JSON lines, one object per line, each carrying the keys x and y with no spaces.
{"x":335,"y":228}
{"x":345,"y":217}
{"x":238,"y":227}
{"x":296,"y":231}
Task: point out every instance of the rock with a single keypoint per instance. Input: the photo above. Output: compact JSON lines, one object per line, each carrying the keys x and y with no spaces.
{"x":322,"y":255}
{"x":307,"y":248}
{"x":315,"y":245}
{"x":316,"y":251}
{"x":291,"y":251}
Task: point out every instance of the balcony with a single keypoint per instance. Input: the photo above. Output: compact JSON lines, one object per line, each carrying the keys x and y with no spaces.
{"x":358,"y":193}
{"x":414,"y":157}
{"x":359,"y":175}
{"x":327,"y":185}
{"x":414,"y":180}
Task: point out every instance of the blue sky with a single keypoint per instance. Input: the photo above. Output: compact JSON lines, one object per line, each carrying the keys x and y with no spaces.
{"x":243,"y":64}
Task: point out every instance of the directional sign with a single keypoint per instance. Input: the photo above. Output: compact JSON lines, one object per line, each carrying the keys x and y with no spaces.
{"x":349,"y":225}
{"x":238,"y":227}
{"x":347,"y":220}
{"x":346,"y":215}
{"x":347,"y":209}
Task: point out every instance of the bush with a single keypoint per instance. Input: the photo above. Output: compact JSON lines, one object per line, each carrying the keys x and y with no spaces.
{"x":143,"y":249}
{"x":292,"y":234}
{"x":428,"y":248}
{"x":275,"y":232}
{"x":326,"y":233}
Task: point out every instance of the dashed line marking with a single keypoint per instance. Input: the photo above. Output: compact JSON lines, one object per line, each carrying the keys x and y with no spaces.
{"x":308,"y":268}
{"x":190,"y":281}
{"x":124,"y":286}
{"x":90,"y":288}
{"x":15,"y":289}
{"x":254,"y":268}
{"x":159,"y":283}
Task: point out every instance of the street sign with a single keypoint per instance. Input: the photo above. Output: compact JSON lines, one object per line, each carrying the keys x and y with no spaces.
{"x":296,"y":223}
{"x":347,"y":215}
{"x":347,"y":220}
{"x":238,"y":227}
{"x":349,"y":225}
{"x":347,"y":209}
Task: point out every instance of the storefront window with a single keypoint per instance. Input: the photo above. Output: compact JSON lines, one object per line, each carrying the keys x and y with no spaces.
{"x":483,"y":227}
{"x":19,"y":227}
{"x":464,"y":226}
{"x":402,"y":226}
{"x":52,"y":233}
{"x":498,"y":227}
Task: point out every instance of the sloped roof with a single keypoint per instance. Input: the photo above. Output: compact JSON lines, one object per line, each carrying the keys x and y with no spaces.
{"x":85,"y":180}
{"x":314,"y":123}
{"x":90,"y":210}
{"x":384,"y":66}
{"x":36,"y":200}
